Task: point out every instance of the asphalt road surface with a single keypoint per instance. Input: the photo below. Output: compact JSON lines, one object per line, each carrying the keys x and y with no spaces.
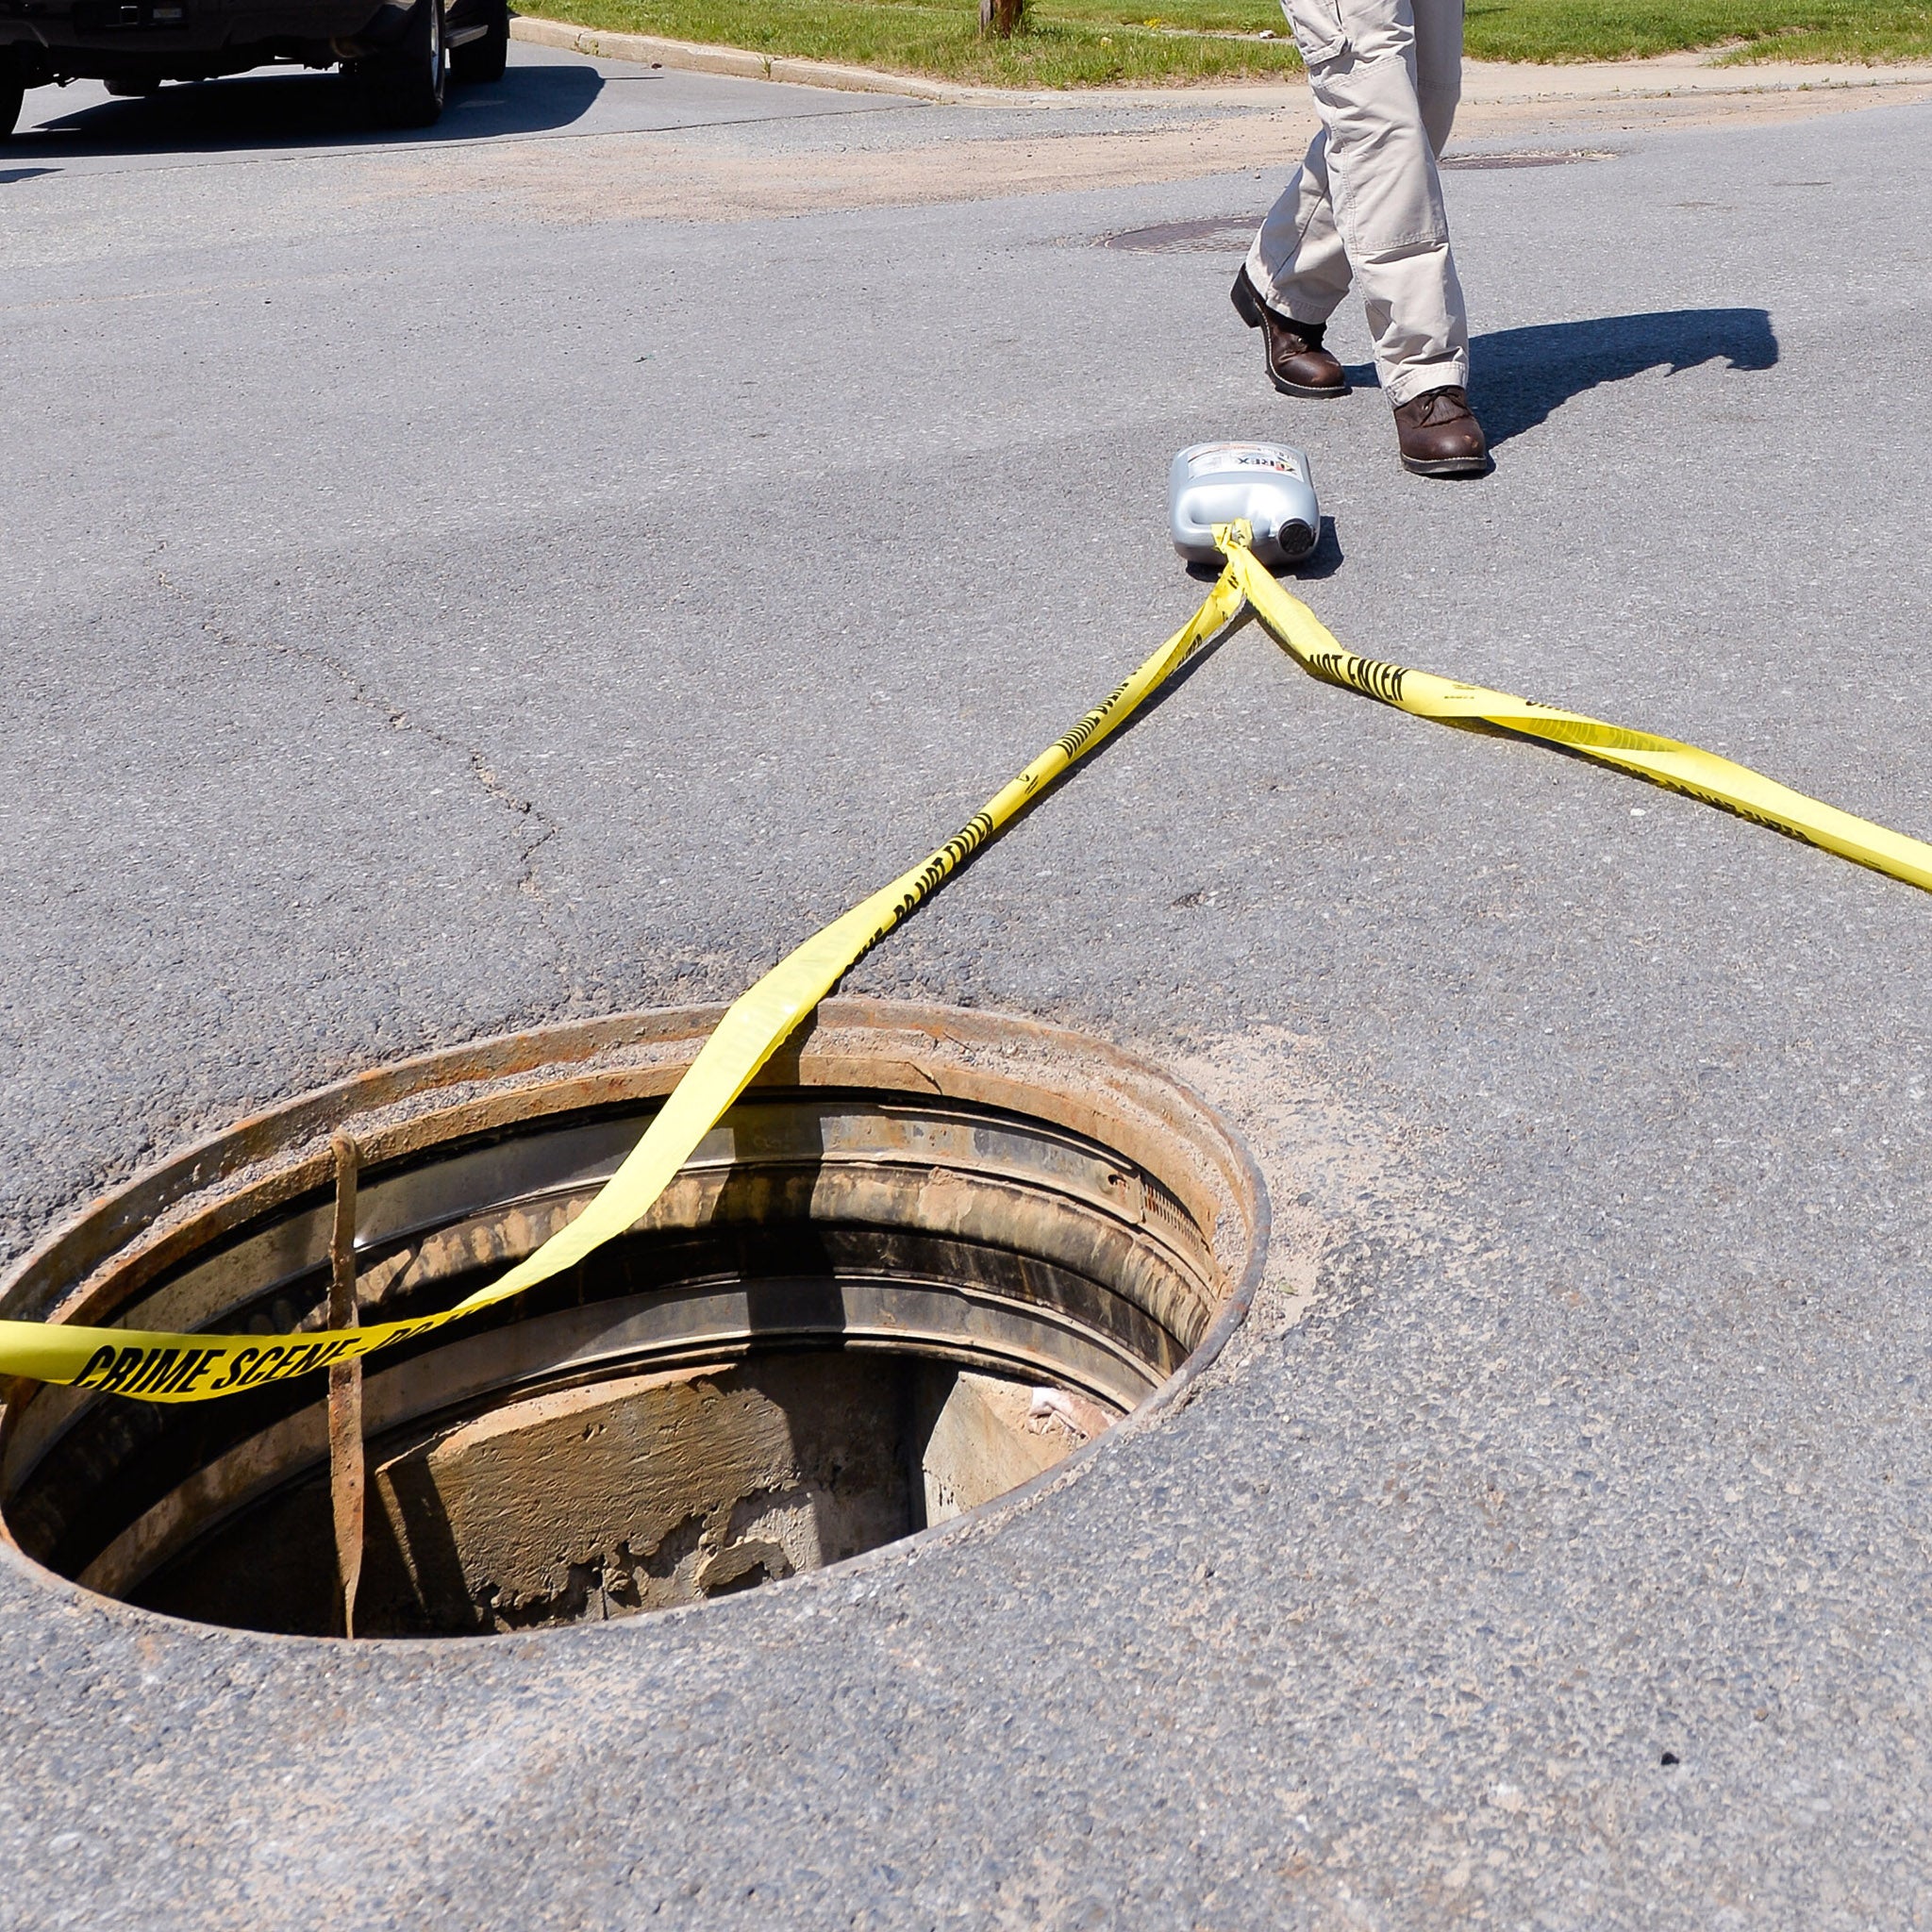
{"x":446,"y":596}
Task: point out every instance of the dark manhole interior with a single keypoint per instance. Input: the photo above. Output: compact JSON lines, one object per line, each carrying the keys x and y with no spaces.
{"x":927,"y":1256}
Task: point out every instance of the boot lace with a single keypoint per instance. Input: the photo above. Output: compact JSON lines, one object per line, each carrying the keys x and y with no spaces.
{"x":1442,"y":405}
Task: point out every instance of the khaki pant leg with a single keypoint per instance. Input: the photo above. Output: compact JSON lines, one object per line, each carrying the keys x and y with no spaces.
{"x":1386,"y":77}
{"x":1438,"y":67}
{"x":1297,"y":261}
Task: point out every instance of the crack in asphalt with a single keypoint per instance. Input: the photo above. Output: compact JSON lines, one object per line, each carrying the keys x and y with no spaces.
{"x":395,"y":718}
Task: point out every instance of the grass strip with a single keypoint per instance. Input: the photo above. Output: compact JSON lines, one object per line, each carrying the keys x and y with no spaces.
{"x":1117,"y":43}
{"x":1748,"y":30}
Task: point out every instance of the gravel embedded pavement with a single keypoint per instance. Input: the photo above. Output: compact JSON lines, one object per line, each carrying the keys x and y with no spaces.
{"x":549,"y":566}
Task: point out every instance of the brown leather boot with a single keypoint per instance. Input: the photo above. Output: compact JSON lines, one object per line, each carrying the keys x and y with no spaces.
{"x":1298,"y":365}
{"x":1439,"y":435}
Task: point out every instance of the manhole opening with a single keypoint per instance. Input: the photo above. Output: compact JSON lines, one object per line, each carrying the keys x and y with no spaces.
{"x":929,"y":1255}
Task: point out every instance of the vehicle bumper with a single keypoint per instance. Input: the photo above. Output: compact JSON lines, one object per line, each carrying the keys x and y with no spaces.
{"x":104,"y":37}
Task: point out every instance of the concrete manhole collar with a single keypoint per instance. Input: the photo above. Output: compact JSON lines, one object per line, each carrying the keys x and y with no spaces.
{"x":930,"y":1254}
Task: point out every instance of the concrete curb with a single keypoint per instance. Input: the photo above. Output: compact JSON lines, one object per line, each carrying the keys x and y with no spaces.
{"x":649,"y":50}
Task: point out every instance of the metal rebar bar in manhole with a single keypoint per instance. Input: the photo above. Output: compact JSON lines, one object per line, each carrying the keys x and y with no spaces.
{"x":928,"y":1255}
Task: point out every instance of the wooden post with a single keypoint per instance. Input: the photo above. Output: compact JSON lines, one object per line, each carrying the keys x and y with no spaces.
{"x":345,"y":1458}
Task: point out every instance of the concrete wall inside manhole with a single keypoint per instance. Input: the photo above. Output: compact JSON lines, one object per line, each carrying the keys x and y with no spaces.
{"x":929,"y":1255}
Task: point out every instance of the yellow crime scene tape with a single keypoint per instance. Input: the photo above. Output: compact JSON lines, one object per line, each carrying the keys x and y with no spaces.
{"x":1665,"y":761}
{"x":158,"y":1367}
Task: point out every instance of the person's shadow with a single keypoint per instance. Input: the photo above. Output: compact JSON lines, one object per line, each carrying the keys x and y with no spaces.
{"x":1519,"y":377}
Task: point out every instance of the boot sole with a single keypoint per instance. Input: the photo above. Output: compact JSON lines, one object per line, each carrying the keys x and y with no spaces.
{"x":1447,"y":466}
{"x":1296,"y":389}
{"x":1247,"y":306}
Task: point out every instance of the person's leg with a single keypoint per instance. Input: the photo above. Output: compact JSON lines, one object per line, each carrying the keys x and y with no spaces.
{"x":1294,"y":276}
{"x":1297,"y":264}
{"x":1387,"y":76}
{"x":1383,"y":185}
{"x":1438,"y":67}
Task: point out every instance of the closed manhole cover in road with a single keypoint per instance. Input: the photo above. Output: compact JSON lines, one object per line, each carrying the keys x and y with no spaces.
{"x":1210,"y":235}
{"x":1219,"y":233}
{"x":1530,"y":158}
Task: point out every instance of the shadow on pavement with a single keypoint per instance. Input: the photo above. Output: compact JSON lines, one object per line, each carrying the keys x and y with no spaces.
{"x":1325,"y":559}
{"x":1517,"y":377}
{"x":1520,"y":376}
{"x":281,"y":111}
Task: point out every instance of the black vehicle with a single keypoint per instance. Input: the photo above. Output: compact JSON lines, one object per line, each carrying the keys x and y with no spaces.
{"x":399,"y":54}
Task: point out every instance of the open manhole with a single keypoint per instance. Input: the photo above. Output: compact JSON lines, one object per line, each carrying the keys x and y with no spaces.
{"x":928,"y":1255}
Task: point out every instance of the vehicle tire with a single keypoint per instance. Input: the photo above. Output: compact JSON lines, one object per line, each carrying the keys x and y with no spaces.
{"x":13,"y":88}
{"x":484,"y":59}
{"x":404,"y":85}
